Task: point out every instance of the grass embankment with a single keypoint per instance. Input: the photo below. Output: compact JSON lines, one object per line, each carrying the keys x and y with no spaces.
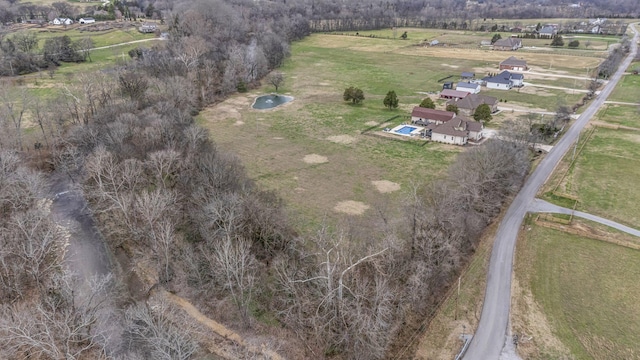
{"x":587,"y":290}
{"x":100,"y":38}
{"x":603,"y":176}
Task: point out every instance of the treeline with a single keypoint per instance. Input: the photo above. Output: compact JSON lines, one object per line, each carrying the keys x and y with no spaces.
{"x":20,"y":53}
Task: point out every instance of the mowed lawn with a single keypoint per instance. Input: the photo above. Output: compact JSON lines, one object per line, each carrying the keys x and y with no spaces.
{"x":588,"y":291}
{"x":628,"y":89}
{"x":624,"y":115}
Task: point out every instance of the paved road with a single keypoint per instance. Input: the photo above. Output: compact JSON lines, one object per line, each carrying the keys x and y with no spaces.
{"x":542,"y":206}
{"x":492,"y":332}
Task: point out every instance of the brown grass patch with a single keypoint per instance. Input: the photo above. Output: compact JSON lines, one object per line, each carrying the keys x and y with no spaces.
{"x":315,"y":159}
{"x":532,"y":326}
{"x":351,"y":207}
{"x":385,"y":186}
{"x":342,"y":139}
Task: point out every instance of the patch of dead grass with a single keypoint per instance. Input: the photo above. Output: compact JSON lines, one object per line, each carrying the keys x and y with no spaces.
{"x":315,"y":159}
{"x":342,"y":139}
{"x":351,"y":207}
{"x":385,"y":186}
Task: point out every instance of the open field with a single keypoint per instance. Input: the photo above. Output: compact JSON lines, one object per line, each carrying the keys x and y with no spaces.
{"x":274,"y":144}
{"x":628,"y":90}
{"x":573,"y":299}
{"x":604,"y":175}
{"x":625,"y":115}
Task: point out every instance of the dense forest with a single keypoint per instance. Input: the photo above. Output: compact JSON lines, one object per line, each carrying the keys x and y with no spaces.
{"x":167,"y":200}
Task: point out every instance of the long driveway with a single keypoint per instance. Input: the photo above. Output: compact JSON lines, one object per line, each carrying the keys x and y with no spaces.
{"x":491,"y":335}
{"x":541,"y":206}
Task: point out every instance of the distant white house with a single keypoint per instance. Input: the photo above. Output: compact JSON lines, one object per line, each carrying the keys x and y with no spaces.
{"x":471,"y":88}
{"x":148,"y":28}
{"x":62,"y":21}
{"x":87,"y":20}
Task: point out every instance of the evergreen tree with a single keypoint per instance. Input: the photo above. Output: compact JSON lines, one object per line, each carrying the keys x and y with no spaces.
{"x":391,"y":100}
{"x":427,"y":103}
{"x":483,"y":113}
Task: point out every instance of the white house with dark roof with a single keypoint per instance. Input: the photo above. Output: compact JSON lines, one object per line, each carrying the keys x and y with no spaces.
{"x":62,"y":21}
{"x":471,"y":88}
{"x":504,"y":81}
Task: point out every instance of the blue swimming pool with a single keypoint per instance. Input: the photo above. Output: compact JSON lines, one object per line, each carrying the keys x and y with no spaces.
{"x":406,"y":130}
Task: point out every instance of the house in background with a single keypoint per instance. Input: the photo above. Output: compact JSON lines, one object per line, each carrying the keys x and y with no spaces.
{"x":424,"y":116}
{"x":547,"y":32}
{"x":148,"y":28}
{"x":468,"y":105}
{"x":513,"y":63}
{"x":452,"y":94}
{"x":471,"y":88}
{"x":62,"y":21}
{"x":447,"y":85}
{"x":508,"y":44}
{"x":457,"y":131}
{"x":87,"y":20}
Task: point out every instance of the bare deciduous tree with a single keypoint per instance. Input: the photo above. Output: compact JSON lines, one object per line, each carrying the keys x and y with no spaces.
{"x":155,"y":337}
{"x":276,"y":79}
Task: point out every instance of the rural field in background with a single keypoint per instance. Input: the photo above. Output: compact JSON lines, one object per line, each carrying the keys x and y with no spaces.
{"x":575,"y":297}
{"x":576,"y":285}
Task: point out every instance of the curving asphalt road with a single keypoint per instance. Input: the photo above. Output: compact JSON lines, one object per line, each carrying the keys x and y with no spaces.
{"x":492,"y":332}
{"x":541,"y":206}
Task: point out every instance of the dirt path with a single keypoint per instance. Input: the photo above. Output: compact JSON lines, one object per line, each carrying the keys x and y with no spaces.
{"x":218,"y":328}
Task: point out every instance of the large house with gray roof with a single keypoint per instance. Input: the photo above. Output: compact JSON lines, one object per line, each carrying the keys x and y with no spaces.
{"x":508,"y":44}
{"x":468,"y":105}
{"x":504,"y":81}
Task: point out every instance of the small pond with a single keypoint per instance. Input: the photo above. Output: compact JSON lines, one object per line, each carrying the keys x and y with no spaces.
{"x":270,"y":101}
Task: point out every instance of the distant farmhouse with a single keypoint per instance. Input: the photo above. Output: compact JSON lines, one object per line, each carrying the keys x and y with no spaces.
{"x":148,"y":28}
{"x":508,"y":44}
{"x":62,"y":21}
{"x":515,"y":64}
{"x":87,"y":20}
